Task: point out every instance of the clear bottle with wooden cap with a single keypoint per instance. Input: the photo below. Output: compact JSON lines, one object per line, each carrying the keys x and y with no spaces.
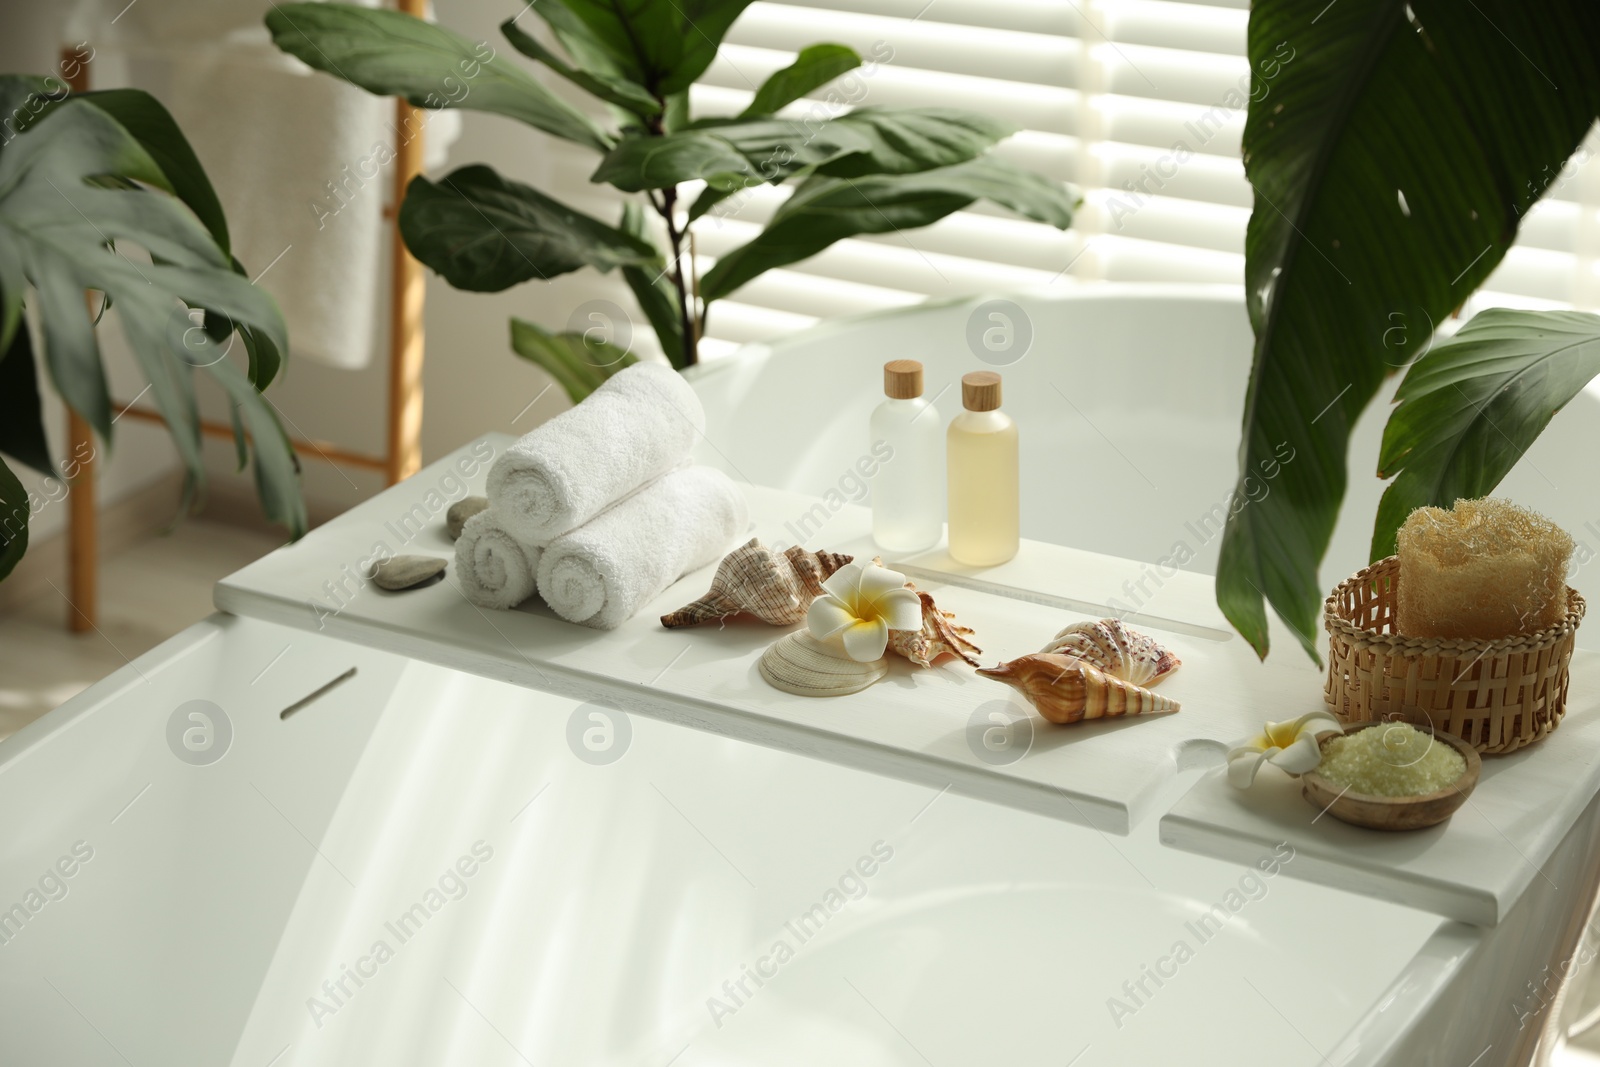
{"x":983,"y":475}
{"x":908,"y":439}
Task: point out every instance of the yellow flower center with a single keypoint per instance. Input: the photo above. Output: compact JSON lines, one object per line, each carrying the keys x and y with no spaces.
{"x":864,"y":609}
{"x":1281,"y":734}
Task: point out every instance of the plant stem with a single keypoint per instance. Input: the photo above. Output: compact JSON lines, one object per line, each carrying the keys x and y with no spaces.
{"x":669,"y":199}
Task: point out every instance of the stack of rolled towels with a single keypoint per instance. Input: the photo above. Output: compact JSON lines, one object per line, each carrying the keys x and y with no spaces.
{"x":599,"y":509}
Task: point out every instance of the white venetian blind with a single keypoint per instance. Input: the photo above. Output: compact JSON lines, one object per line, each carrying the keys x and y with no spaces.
{"x":1105,"y":93}
{"x":1099,"y":90}
{"x":1554,"y":263}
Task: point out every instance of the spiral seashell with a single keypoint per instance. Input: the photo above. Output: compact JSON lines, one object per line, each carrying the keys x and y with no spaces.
{"x":939,"y":636}
{"x":775,"y":587}
{"x":1066,"y":689}
{"x":1118,"y":651}
{"x":799,"y":663}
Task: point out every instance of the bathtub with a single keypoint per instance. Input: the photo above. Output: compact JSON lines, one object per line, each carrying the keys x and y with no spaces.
{"x":262,"y":846}
{"x":419,"y":866}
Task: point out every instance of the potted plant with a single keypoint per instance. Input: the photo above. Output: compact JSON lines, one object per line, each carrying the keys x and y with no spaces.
{"x":869,"y":170}
{"x":85,"y":179}
{"x":1392,"y":165}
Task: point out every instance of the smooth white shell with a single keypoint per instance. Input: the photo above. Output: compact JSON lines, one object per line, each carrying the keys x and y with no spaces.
{"x":798,"y":663}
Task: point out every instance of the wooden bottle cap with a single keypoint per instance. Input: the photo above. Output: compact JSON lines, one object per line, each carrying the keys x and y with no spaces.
{"x":902,"y":379}
{"x":980,"y":390}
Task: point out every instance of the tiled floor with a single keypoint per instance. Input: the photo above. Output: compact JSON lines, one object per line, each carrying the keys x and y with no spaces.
{"x":147,"y":593}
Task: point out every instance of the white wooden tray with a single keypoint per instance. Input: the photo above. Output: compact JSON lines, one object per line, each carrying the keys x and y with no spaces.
{"x":1473,"y":867}
{"x":913,"y":725}
{"x":930,"y":725}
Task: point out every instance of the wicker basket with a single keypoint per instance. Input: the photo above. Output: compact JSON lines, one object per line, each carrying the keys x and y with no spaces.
{"x":1495,"y":695}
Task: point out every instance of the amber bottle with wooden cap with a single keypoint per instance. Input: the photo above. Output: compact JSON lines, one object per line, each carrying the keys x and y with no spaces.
{"x":908,"y":443}
{"x":981,"y":451}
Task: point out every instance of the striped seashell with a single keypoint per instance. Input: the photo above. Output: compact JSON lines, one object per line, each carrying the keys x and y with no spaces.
{"x":775,"y":587}
{"x":940,"y":636}
{"x":1116,"y":650}
{"x":1066,"y":689}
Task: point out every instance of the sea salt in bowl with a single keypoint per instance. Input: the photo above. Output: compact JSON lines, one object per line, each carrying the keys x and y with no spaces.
{"x":1409,"y":812}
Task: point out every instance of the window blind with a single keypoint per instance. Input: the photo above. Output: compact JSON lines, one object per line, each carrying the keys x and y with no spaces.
{"x":1141,"y":103}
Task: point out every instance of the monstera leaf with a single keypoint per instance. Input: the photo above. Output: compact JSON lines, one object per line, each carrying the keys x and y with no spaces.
{"x":14,"y":513}
{"x":1391,"y":161}
{"x":21,"y":420}
{"x":86,"y":208}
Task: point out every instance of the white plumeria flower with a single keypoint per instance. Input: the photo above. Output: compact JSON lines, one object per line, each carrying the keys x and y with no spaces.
{"x":860,"y":605}
{"x":1294,"y":747}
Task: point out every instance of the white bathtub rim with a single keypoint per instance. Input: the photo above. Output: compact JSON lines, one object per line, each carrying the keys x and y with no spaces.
{"x":753,"y":351}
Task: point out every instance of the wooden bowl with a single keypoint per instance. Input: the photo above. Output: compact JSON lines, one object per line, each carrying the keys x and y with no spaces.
{"x":1394,"y":813}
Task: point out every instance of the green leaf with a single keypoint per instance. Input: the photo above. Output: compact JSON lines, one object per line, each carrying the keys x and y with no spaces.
{"x":24,"y":99}
{"x":907,"y":140}
{"x":676,"y":114}
{"x":1471,"y":407}
{"x":14,"y":515}
{"x":578,"y":40}
{"x":726,"y":153}
{"x":394,"y":54}
{"x":825,"y":210}
{"x":663,"y":45}
{"x":580,"y":363}
{"x":731,"y":154}
{"x":814,"y":67}
{"x":157,"y":132}
{"x":66,"y":229}
{"x":485,"y":233}
{"x":612,"y":89}
{"x":276,"y":468}
{"x":21,"y":418}
{"x":657,"y":296}
{"x":701,"y":26}
{"x":178,"y":170}
{"x":708,"y":199}
{"x":1391,"y":148}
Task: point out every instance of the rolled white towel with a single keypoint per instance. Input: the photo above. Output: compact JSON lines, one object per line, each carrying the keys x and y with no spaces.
{"x":497,"y":569}
{"x":637,"y":426}
{"x":607,"y":569}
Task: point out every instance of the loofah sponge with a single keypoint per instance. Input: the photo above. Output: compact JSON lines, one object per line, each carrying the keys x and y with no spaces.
{"x":1485,"y":569}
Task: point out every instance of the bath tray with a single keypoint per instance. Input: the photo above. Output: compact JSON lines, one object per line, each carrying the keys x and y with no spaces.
{"x":927,"y":726}
{"x":1473,"y":867}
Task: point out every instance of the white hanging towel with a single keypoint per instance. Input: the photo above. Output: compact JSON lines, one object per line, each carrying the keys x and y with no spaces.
{"x":302,"y":161}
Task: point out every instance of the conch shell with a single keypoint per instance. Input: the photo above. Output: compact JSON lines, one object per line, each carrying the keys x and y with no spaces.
{"x":939,"y":636}
{"x":775,"y":587}
{"x":1065,"y":689}
{"x":1116,"y":650}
